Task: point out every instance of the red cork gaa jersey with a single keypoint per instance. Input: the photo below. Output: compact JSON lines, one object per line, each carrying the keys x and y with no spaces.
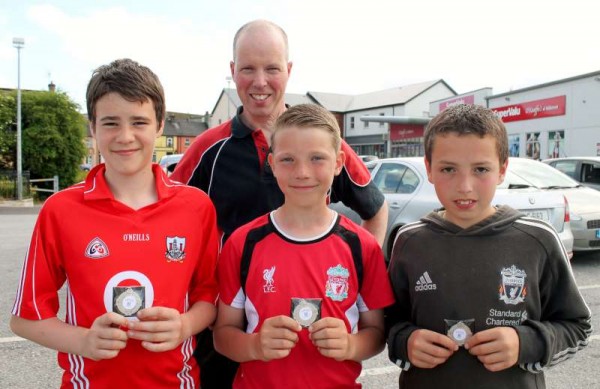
{"x":114,"y":258}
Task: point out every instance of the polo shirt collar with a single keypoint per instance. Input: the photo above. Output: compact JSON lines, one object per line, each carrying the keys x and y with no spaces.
{"x":96,"y":187}
{"x":238,"y":128}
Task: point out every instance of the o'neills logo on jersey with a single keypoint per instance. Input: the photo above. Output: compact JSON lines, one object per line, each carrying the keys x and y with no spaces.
{"x":175,"y":249}
{"x":96,"y":249}
{"x":136,"y":237}
{"x":337,"y":283}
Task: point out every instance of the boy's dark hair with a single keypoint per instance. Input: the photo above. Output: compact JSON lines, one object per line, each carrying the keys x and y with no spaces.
{"x":464,"y":119}
{"x":134,"y":82}
{"x":309,"y":116}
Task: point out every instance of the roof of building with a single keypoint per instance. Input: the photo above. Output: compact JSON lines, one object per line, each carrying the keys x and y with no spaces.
{"x":387,"y":97}
{"x":177,"y":124}
{"x":595,"y":74}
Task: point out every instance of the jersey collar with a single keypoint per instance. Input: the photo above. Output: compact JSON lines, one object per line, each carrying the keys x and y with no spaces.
{"x":96,"y":187}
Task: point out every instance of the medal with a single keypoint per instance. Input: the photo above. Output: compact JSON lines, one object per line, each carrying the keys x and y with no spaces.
{"x":127,"y":301}
{"x":306,"y":311}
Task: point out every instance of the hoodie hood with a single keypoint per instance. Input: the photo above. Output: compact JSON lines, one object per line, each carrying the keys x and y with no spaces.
{"x":501,"y":220}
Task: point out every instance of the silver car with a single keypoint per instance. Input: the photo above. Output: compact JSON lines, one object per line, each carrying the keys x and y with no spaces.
{"x":410,"y":196}
{"x":584,"y":202}
{"x":585,"y":170}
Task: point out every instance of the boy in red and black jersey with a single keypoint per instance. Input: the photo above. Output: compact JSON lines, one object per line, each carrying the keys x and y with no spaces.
{"x":302,"y":253}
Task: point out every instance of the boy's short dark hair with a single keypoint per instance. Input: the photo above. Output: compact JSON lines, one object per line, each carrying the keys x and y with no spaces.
{"x":309,"y":115}
{"x":134,"y":82}
{"x":466,"y":119}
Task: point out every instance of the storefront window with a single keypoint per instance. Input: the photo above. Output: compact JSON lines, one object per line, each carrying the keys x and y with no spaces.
{"x":532,"y":147}
{"x":412,"y":147}
{"x":556,"y":144}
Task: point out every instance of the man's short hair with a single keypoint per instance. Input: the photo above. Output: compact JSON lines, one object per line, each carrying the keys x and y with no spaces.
{"x":260,"y":23}
{"x":134,"y":82}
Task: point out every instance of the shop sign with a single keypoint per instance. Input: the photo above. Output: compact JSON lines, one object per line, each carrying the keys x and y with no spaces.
{"x":469,"y":99}
{"x":553,"y":106}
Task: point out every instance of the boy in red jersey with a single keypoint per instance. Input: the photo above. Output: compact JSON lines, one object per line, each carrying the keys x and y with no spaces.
{"x":137,"y":250}
{"x":310,"y":284}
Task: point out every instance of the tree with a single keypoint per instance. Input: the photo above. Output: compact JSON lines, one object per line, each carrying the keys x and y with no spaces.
{"x":53,"y":131}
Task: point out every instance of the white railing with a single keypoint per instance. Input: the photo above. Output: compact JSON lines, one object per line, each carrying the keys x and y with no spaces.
{"x":53,"y":179}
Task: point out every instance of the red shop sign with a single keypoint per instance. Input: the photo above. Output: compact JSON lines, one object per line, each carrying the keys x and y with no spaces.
{"x":554,"y":106}
{"x":406,"y":131}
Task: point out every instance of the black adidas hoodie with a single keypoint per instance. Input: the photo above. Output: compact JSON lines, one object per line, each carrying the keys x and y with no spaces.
{"x":508,"y":270}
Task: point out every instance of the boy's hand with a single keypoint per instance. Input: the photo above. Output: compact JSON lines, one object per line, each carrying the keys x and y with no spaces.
{"x":159,"y":328}
{"x":331,"y":338}
{"x":277,"y":337}
{"x":497,"y":348}
{"x":105,"y":339}
{"x":427,"y":349}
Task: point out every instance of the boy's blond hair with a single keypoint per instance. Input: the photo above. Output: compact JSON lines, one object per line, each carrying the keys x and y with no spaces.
{"x":464,"y":119}
{"x":309,"y":116}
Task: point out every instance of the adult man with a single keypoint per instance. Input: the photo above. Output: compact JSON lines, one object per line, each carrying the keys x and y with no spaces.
{"x":229,"y":161}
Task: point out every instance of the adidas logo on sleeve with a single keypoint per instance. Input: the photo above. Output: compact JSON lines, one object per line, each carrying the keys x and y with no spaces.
{"x":424,"y":283}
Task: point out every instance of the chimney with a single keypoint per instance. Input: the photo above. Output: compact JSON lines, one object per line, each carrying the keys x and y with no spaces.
{"x":52,"y":87}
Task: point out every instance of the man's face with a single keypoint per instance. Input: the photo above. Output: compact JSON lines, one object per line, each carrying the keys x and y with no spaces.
{"x":261,"y":73}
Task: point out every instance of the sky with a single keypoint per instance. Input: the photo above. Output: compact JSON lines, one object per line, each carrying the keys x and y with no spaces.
{"x":336,"y":46}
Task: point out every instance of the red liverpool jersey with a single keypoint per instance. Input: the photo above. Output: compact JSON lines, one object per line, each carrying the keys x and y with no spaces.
{"x":165,"y":253}
{"x":282,"y":268}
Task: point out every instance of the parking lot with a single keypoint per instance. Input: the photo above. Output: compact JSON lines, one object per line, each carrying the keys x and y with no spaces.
{"x":26,"y":365}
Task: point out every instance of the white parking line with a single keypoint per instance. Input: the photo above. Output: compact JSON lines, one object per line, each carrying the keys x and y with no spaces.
{"x":11,"y":339}
{"x":589,"y":287}
{"x":380,"y":370}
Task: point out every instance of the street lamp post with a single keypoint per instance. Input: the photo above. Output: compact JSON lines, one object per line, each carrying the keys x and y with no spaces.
{"x":228,"y":79}
{"x":19,"y":43}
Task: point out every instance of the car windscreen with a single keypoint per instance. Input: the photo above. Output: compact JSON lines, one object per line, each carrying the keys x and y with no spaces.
{"x":540,"y":175}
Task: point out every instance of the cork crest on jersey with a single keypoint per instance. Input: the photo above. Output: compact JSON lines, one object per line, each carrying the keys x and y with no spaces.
{"x":175,"y":249}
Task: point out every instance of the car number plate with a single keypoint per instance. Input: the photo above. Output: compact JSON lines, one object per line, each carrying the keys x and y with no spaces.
{"x":539,"y":214}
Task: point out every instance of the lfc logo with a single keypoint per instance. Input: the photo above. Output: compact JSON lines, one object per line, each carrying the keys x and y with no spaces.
{"x":268,"y":274}
{"x":513,"y":289}
{"x":337,"y":283}
{"x":175,"y":249}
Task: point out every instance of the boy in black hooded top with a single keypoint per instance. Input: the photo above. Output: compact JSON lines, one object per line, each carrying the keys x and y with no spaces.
{"x":485,"y":297}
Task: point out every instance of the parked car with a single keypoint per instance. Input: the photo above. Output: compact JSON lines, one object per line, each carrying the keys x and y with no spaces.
{"x":584,"y":202}
{"x":410,"y":196}
{"x":585,"y":170}
{"x":169,"y":162}
{"x":85,"y":167}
